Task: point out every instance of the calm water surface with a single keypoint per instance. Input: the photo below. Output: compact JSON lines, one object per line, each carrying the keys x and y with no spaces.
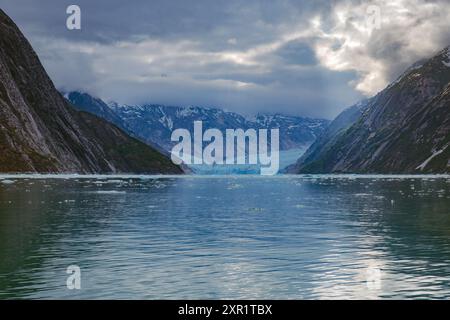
{"x":226,"y":237}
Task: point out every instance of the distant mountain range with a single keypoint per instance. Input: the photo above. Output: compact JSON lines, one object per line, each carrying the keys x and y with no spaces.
{"x":403,"y":129}
{"x":41,"y":132}
{"x":155,"y":123}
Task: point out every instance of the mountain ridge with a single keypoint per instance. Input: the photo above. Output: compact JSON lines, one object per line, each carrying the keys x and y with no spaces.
{"x":154,"y":122}
{"x":403,"y":129}
{"x":41,"y":132}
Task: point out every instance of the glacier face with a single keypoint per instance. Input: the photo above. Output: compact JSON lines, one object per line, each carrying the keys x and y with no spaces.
{"x":287,"y":157}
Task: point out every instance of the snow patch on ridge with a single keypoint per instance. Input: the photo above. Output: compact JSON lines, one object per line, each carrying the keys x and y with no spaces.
{"x":435,"y":154}
{"x":447,"y":57}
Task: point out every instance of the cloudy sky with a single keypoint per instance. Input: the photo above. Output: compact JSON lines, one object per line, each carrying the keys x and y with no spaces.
{"x":310,"y":58}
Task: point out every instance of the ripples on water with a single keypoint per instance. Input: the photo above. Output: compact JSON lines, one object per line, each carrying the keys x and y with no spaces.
{"x":226,"y":237}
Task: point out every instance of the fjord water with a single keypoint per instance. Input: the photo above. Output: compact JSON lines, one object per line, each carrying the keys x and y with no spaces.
{"x":293,"y":237}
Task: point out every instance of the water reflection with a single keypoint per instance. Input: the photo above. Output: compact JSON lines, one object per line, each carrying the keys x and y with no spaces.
{"x":226,"y":237}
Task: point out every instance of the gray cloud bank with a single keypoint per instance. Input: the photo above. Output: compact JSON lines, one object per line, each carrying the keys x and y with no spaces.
{"x":310,"y":58}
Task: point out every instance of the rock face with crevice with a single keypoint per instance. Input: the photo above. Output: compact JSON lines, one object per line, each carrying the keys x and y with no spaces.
{"x":41,"y":132}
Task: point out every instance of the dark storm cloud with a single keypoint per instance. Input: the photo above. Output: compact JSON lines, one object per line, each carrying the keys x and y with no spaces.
{"x":300,"y":57}
{"x":114,"y":20}
{"x":298,"y":52}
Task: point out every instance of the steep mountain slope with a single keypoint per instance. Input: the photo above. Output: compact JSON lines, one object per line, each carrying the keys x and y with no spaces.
{"x":327,"y":139}
{"x":295,"y":132}
{"x":41,"y":132}
{"x":155,"y":123}
{"x":403,"y":129}
{"x":87,"y":103}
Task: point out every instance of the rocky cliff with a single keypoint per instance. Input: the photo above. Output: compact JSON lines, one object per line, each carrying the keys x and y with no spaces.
{"x":403,"y":129}
{"x":41,"y":132}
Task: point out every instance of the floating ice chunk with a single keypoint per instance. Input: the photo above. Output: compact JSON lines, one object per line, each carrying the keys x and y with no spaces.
{"x":8,"y":181}
{"x":112,"y":181}
{"x":234,"y":186}
{"x":110,"y":192}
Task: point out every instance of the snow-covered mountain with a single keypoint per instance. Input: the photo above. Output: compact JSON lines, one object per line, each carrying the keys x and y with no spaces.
{"x":155,"y":123}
